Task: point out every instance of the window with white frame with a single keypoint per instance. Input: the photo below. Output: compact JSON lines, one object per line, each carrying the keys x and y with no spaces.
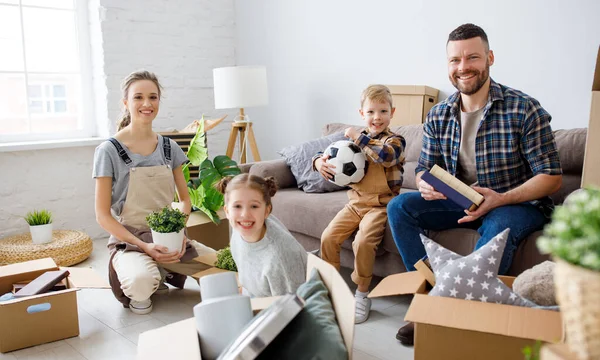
{"x":45,"y":71}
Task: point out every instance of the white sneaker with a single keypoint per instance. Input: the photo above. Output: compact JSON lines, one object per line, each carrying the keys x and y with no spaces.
{"x":363,"y":307}
{"x":162,"y":289}
{"x":140,"y":307}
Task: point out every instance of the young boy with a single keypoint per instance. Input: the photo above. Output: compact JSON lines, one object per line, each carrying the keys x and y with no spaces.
{"x":366,"y":210}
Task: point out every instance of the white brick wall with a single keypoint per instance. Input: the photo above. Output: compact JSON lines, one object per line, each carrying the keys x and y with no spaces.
{"x":181,"y":41}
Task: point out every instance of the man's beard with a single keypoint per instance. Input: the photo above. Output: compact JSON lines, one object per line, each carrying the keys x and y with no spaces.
{"x":471,"y":89}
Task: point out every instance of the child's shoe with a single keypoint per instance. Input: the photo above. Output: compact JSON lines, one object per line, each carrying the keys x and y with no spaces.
{"x":363,"y":307}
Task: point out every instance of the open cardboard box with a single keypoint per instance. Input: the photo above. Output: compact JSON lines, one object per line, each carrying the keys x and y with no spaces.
{"x":211,"y":259}
{"x":180,"y":340}
{"x":22,"y":329}
{"x":203,"y":230}
{"x":591,"y":170}
{"x":448,"y":328}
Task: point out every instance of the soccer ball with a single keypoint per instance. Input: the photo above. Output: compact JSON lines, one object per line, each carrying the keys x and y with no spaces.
{"x":349,"y":161}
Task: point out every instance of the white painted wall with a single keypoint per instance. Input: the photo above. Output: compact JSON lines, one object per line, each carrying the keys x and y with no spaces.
{"x":321,"y":54}
{"x":181,"y":42}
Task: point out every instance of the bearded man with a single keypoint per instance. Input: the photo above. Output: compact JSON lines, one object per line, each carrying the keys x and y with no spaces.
{"x":492,"y":137}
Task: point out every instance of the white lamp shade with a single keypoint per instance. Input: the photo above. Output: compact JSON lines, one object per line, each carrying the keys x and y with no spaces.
{"x":240,"y":87}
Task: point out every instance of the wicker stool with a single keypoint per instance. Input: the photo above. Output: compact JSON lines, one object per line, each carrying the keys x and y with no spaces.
{"x":68,"y":247}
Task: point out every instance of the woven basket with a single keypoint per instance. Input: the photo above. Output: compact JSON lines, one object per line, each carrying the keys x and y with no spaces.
{"x":578,"y":293}
{"x":68,"y":247}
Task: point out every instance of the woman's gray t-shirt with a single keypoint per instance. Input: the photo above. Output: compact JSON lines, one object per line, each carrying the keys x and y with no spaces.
{"x":108,"y":163}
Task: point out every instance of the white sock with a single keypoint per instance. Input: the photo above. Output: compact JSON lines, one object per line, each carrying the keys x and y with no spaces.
{"x":361,"y":294}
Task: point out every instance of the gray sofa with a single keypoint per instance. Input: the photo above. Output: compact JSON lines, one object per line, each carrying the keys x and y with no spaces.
{"x":307,"y":214}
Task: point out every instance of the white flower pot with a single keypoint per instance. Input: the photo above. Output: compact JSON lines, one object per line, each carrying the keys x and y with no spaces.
{"x":177,"y":205}
{"x":173,"y":241}
{"x":41,"y":234}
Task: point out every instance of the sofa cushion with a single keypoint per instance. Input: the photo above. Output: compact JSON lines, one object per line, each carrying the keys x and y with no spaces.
{"x":299,"y":159}
{"x":277,"y":169}
{"x":307,"y":213}
{"x":571,"y":146}
{"x":310,"y":214}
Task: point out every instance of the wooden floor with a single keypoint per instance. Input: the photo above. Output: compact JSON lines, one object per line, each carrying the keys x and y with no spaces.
{"x":108,"y":331}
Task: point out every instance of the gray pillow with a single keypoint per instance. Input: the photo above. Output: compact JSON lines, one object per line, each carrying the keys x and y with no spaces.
{"x":472,"y":277}
{"x":299,"y":159}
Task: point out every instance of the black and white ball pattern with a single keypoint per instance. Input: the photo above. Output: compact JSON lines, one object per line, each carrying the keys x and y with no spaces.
{"x":349,"y":161}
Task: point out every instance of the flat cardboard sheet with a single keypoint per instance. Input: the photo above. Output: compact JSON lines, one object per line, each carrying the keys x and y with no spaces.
{"x":185,"y":345}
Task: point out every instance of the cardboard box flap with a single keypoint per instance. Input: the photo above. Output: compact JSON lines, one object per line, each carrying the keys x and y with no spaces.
{"x":412,"y":282}
{"x":183,"y":346}
{"x":34,"y":297}
{"x":28,"y":270}
{"x":45,"y":264}
{"x":507,"y":320}
{"x":596,"y":83}
{"x":413,"y":90}
{"x":199,"y":218}
{"x":342,"y":298}
{"x":208,"y":259}
{"x":85,"y":278}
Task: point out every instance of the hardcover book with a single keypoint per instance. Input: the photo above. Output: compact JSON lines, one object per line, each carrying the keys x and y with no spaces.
{"x":453,"y":188}
{"x":42,"y":283}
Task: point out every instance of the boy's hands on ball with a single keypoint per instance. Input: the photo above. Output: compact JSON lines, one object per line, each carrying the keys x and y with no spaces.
{"x":324,"y":168}
{"x":351,"y":133}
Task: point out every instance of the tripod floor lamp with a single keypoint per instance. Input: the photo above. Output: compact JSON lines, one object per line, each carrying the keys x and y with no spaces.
{"x":241,"y":87}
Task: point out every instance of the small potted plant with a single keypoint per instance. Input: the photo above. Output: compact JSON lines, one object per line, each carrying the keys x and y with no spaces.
{"x":225,"y":260}
{"x":573,"y":239}
{"x":167,"y":227}
{"x":40,"y":226}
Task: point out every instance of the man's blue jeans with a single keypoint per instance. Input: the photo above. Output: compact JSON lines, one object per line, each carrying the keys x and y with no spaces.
{"x":409,"y":214}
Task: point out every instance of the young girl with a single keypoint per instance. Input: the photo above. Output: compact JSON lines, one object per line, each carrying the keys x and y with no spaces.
{"x":137,"y":172}
{"x":270,"y":261}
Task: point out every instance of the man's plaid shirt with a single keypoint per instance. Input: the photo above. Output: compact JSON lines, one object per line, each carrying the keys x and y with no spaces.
{"x":514,"y":140}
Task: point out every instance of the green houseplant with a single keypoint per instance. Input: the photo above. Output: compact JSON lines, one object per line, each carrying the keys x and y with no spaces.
{"x":40,"y":226}
{"x":225,"y":260}
{"x":203,"y":194}
{"x":167,"y":227}
{"x":573,"y":239}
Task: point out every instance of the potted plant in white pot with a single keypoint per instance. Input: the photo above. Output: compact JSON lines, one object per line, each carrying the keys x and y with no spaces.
{"x":167,"y":227}
{"x":573,"y":239}
{"x":40,"y":226}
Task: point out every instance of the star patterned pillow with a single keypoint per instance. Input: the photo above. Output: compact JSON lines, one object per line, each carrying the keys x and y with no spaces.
{"x":473,"y":277}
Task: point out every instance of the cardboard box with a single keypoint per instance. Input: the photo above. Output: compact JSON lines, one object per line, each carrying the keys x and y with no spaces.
{"x":448,"y":328}
{"x":203,"y":230}
{"x":22,"y":329}
{"x":556,"y":352}
{"x":591,"y":170}
{"x":424,"y":268}
{"x":412,"y":103}
{"x":211,"y":259}
{"x":182,"y":338}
